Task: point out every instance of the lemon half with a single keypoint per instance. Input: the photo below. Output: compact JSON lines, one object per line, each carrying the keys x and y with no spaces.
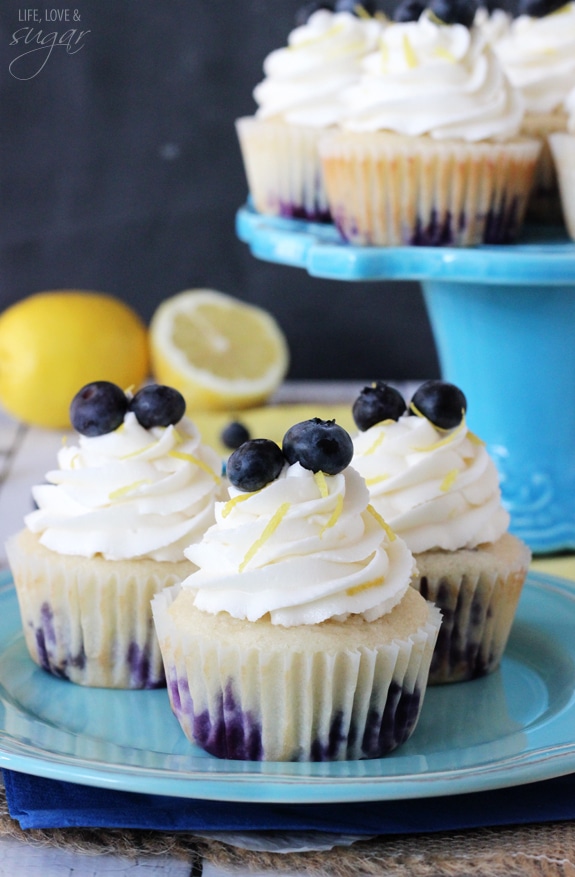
{"x":54,"y":342}
{"x":219,"y":352}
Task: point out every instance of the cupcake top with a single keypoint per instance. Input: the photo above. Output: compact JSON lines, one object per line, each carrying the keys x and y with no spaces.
{"x":304,"y":80}
{"x":298,"y":541}
{"x":139,"y":483}
{"x":538,"y":54}
{"x":431,"y":78}
{"x":428,"y":475}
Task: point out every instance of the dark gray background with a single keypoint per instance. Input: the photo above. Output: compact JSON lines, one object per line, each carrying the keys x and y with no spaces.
{"x":120,"y":171}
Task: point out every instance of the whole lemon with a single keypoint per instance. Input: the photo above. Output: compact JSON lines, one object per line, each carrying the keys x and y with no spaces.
{"x":54,"y":342}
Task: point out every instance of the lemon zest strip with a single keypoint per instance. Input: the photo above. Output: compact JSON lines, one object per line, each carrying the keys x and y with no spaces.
{"x":138,"y":451}
{"x":269,"y":529}
{"x":373,"y":448}
{"x":232,"y":503}
{"x":445,"y":54}
{"x":383,"y":524}
{"x":334,"y":515}
{"x":319,"y":479}
{"x":444,"y":441}
{"x":189,"y":458}
{"x":449,"y":480}
{"x":408,"y":51}
{"x":127,"y":488}
{"x":357,"y":589}
{"x":371,"y":481}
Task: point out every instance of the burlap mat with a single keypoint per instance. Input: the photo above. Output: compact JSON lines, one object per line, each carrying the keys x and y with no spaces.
{"x":546,"y":850}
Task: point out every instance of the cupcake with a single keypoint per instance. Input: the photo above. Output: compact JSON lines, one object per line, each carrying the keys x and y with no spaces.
{"x":109,"y":531}
{"x":428,"y":151}
{"x":562,"y":145}
{"x":298,"y":99}
{"x":433,"y":481}
{"x":538,"y":56}
{"x":298,"y":638}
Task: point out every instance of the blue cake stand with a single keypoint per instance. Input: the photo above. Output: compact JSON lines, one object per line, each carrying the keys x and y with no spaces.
{"x":503,"y":319}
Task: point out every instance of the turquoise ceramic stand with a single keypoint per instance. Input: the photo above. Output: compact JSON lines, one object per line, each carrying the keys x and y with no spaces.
{"x":503,"y":319}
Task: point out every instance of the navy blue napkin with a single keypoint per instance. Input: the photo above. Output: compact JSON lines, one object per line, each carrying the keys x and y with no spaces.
{"x":45,"y":803}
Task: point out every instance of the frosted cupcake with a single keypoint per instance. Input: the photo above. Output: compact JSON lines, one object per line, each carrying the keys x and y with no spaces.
{"x":298,"y":638}
{"x":538,"y":56}
{"x":436,"y":485}
{"x":562,"y":146}
{"x":109,"y":531}
{"x":429,"y":151}
{"x":299,"y":98}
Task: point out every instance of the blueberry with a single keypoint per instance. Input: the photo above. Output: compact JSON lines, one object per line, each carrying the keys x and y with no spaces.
{"x":254,"y":464}
{"x":538,"y":8}
{"x":157,"y":405}
{"x":376,"y":403}
{"x":409,"y":10}
{"x":308,"y":9}
{"x":319,"y":445}
{"x":234,"y":434}
{"x":454,"y":11}
{"x":98,"y":408}
{"x":441,"y":403}
{"x":356,"y":7}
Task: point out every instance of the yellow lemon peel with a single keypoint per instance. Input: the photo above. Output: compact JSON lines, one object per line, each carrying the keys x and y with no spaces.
{"x":449,"y":480}
{"x":269,"y":530}
{"x":376,"y":479}
{"x":127,"y":489}
{"x":357,"y":589}
{"x":409,"y":53}
{"x":383,"y":524}
{"x":189,"y":458}
{"x":319,"y":479}
{"x":445,"y":54}
{"x":233,"y":502}
{"x":335,"y":515}
{"x":444,"y":441}
{"x":373,"y":448}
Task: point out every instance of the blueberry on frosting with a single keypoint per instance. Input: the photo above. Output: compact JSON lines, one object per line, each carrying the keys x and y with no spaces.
{"x":98,"y":408}
{"x":376,"y":403}
{"x":254,"y":464}
{"x":319,"y":445}
{"x":454,"y":11}
{"x":409,"y":10}
{"x":157,"y":405}
{"x":538,"y":8}
{"x":442,"y":403}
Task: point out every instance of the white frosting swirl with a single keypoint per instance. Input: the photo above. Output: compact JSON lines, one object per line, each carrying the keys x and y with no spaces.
{"x":538,"y":55}
{"x":435,"y":488}
{"x":494,"y":25}
{"x":130,"y":493}
{"x":304,"y":80}
{"x":305,"y":548}
{"x":435,"y":79}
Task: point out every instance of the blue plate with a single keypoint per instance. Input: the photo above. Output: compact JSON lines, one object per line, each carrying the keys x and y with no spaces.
{"x":544,"y":254}
{"x":515,"y":726}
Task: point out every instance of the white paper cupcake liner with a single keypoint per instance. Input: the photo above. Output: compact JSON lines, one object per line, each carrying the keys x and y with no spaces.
{"x":89,"y":620}
{"x":390,"y":190}
{"x":260,"y":702}
{"x":562,"y":147}
{"x":283,"y":168}
{"x":478,"y":601}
